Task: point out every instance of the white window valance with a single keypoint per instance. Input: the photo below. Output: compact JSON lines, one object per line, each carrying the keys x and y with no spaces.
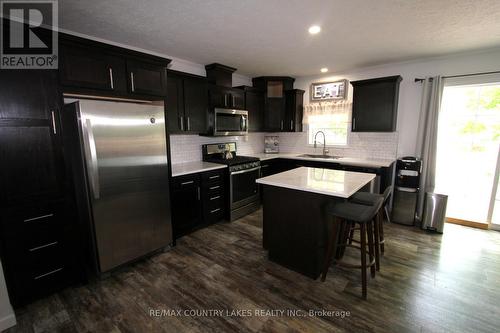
{"x":339,"y":108}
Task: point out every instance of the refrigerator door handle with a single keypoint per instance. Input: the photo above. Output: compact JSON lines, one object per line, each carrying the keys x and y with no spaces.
{"x":93,"y":168}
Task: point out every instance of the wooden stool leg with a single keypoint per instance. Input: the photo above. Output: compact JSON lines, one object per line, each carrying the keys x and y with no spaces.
{"x":376,"y":228}
{"x":381,"y":230}
{"x":351,"y":235}
{"x":369,"y":229}
{"x":332,"y":246}
{"x":362,"y":232}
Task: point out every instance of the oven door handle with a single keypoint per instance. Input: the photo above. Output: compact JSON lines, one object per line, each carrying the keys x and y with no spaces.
{"x":245,"y":171}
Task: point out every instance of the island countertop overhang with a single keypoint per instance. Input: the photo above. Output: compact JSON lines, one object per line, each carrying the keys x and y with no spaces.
{"x":337,"y":183}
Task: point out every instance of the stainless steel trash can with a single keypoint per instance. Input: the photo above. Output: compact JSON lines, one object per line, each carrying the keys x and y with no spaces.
{"x":434,"y":211}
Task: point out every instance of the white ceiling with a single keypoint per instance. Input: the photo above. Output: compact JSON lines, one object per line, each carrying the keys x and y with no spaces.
{"x":269,"y":37}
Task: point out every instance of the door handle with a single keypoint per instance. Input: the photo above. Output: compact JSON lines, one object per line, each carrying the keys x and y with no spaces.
{"x":53,"y":118}
{"x":132,"y":85}
{"x":225,"y":99}
{"x":38,"y":217}
{"x":181,"y":121}
{"x":282,"y":125}
{"x":93,"y":165}
{"x":188,"y":124}
{"x":111,"y":81}
{"x":187,"y":183}
{"x":234,"y":100}
{"x":199,"y":194}
{"x":353,"y":123}
{"x":291,"y":125}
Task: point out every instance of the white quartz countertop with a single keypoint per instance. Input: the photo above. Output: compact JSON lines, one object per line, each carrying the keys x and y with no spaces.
{"x":180,"y":169}
{"x":335,"y":183}
{"x":371,"y":163}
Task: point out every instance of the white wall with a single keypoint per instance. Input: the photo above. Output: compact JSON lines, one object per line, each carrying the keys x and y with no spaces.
{"x":410,"y":92}
{"x":7,"y":317}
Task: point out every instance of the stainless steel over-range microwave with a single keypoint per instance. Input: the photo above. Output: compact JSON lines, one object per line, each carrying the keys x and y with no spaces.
{"x":228,"y":122}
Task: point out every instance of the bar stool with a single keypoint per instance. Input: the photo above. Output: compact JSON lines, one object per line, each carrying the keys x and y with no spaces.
{"x":370,"y":199}
{"x":347,"y":215}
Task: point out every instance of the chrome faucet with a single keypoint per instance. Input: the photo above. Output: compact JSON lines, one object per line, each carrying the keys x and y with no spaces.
{"x":325,"y":151}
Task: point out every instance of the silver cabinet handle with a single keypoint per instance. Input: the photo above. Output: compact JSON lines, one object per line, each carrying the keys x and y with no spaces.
{"x":234,"y":100}
{"x":111,"y":81}
{"x":291,"y":125}
{"x":181,"y":120}
{"x":38,"y":218}
{"x":47,"y":274}
{"x":53,"y":118}
{"x":282,"y":125}
{"x":214,"y":177}
{"x":93,"y":170}
{"x":199,"y":194}
{"x":215,"y":187}
{"x":42,"y":246}
{"x":353,"y":123}
{"x":188,"y":124}
{"x":132,"y":81}
{"x":225,"y":99}
{"x":214,"y":211}
{"x":215,"y":198}
{"x":187,"y":183}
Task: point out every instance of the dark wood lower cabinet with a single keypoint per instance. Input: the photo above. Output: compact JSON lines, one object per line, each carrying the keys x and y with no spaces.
{"x":197,"y":200}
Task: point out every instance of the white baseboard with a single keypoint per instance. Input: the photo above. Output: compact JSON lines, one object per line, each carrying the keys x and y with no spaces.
{"x":7,"y":322}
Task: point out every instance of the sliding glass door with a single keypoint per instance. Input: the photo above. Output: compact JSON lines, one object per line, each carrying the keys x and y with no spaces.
{"x":468,"y":148}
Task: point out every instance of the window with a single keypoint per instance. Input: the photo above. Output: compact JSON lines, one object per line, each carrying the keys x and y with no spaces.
{"x":334,"y":125}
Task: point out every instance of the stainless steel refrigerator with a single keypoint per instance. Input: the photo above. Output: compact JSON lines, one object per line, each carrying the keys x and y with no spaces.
{"x":119,"y":166}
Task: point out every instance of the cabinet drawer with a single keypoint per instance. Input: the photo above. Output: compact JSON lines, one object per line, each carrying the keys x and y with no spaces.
{"x":213,"y":214}
{"x":187,"y":181}
{"x":33,"y":218}
{"x":212,"y":177}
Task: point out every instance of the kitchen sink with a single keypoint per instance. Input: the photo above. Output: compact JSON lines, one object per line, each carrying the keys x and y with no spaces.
{"x":319,"y":156}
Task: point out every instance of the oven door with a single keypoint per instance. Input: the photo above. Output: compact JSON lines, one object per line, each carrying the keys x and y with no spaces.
{"x":243,"y":188}
{"x":230,"y":122}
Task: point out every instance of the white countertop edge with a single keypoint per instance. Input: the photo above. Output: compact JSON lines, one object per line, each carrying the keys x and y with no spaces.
{"x":188,"y":168}
{"x":265,"y":181}
{"x":370,"y":163}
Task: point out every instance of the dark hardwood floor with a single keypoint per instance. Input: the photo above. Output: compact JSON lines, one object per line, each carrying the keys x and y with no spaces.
{"x":427,"y":283}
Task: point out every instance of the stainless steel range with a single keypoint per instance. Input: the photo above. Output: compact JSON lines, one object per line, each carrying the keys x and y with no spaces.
{"x":244,"y":196}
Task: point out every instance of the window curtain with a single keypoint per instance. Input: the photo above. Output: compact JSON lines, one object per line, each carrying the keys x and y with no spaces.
{"x":327,"y":108}
{"x":426,"y":149}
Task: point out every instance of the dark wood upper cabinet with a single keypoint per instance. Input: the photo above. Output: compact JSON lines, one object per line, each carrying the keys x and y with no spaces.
{"x":294,"y":107}
{"x":146,"y":78}
{"x":90,"y":67}
{"x":195,"y":104}
{"x":274,"y":87}
{"x":375,"y":104}
{"x":224,"y":97}
{"x":187,"y":103}
{"x":85,"y":68}
{"x":254,"y":104}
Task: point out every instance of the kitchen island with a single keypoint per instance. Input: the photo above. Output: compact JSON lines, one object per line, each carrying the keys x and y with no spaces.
{"x":296,"y":225}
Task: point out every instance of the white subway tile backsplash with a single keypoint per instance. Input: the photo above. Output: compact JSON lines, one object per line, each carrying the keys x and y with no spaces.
{"x":187,"y":148}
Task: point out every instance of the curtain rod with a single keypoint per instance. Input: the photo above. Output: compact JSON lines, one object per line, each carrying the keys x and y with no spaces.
{"x":462,"y":75}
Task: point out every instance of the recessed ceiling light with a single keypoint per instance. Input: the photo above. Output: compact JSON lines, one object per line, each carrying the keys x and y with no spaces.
{"x":314,"y":29}
{"x":324,"y":70}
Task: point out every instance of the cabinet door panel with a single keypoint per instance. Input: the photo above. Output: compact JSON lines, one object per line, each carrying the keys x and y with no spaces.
{"x":24,"y":94}
{"x":254,"y":104}
{"x":31,"y":166}
{"x":175,"y":104}
{"x":147,"y":79}
{"x":274,"y":114}
{"x":219,"y":97}
{"x":237,"y":99}
{"x":195,"y":105}
{"x":83,"y":68}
